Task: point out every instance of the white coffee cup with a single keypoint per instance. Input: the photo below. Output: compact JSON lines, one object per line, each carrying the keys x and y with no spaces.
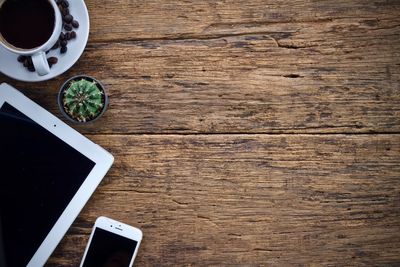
{"x":38,"y":54}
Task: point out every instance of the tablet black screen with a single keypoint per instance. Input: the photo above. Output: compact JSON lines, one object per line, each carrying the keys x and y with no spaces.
{"x":39,"y":175}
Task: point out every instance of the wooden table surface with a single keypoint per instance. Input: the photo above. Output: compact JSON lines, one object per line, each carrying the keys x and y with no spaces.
{"x":245,"y":133}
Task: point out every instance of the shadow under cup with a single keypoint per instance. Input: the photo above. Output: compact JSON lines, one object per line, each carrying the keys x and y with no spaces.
{"x":26,"y":24}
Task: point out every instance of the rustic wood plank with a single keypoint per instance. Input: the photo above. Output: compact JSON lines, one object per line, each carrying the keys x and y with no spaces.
{"x":155,"y":19}
{"x":333,"y":67}
{"x":259,"y":66}
{"x":333,"y":77}
{"x":251,"y":200}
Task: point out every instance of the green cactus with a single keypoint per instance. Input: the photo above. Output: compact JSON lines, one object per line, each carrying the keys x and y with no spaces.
{"x":83,"y":100}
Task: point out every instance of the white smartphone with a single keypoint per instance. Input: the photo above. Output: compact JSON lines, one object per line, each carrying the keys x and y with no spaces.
{"x":111,"y":243}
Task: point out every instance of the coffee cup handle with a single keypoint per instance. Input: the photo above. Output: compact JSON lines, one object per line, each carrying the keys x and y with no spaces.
{"x":40,"y":63}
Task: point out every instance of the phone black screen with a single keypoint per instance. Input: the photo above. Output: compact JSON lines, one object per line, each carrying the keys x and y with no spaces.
{"x":39,"y":175}
{"x":109,"y":250}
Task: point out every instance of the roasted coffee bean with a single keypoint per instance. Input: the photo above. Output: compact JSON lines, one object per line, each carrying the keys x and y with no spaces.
{"x":52,"y":60}
{"x":62,"y":36}
{"x":26,"y":63}
{"x":63,"y":49}
{"x":75,"y":24}
{"x":68,"y":18}
{"x":58,"y":2}
{"x":72,"y":35}
{"x":21,"y":59}
{"x":63,"y":43}
{"x":56,"y":45}
{"x":68,"y":27}
{"x":64,"y":3}
{"x":31,"y":68}
{"x":68,"y":36}
{"x":65,"y":11}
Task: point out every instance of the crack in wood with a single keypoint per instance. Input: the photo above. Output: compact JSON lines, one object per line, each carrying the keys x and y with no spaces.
{"x":261,"y":23}
{"x":179,"y":202}
{"x":207,"y":219}
{"x":292,"y":76}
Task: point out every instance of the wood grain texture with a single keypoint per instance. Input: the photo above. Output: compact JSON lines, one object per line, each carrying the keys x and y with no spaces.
{"x":262,"y":67}
{"x":335,"y":76}
{"x":245,"y":133}
{"x":176,"y":19}
{"x":251,"y":200}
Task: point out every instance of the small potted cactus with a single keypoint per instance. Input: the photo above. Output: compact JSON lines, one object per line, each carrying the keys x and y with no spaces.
{"x":82,"y":99}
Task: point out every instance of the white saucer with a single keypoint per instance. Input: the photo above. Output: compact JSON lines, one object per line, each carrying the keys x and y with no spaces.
{"x":14,"y":69}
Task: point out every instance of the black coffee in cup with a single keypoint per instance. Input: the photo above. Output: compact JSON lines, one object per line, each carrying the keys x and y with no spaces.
{"x":26,"y":24}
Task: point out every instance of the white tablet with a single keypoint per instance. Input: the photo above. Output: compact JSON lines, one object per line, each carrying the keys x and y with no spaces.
{"x":48,"y":171}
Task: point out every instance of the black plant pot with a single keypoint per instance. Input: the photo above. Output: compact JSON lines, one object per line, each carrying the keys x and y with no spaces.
{"x":66,"y":85}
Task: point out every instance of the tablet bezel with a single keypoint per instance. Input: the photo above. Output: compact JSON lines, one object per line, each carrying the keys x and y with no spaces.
{"x":102,"y":159}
